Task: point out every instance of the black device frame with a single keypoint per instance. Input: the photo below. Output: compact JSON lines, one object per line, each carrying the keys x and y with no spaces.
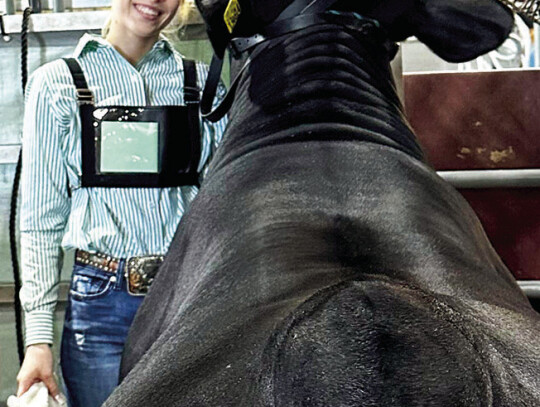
{"x":177,"y":164}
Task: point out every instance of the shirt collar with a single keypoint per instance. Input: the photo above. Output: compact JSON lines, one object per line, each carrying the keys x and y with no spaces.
{"x":90,"y":42}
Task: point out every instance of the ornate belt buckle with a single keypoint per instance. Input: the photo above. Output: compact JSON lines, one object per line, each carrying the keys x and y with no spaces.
{"x":140,"y":273}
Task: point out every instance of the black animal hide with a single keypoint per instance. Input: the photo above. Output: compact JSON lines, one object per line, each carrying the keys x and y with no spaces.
{"x":324,"y":263}
{"x":456,"y":30}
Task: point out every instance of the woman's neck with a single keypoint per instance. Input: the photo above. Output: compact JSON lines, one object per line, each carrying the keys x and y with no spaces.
{"x":133,"y":48}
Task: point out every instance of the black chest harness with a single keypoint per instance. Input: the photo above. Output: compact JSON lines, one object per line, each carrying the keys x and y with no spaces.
{"x":139,"y":146}
{"x":298,"y":15}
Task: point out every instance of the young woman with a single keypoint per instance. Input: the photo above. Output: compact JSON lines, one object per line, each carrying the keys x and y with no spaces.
{"x":133,"y":65}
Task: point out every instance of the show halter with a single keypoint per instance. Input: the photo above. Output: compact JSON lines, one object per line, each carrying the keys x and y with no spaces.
{"x":297,"y":16}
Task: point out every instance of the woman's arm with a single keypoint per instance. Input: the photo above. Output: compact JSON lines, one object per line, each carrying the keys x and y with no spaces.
{"x":45,"y":206}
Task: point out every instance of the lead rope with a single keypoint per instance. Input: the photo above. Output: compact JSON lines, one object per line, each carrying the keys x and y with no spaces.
{"x":14,"y":197}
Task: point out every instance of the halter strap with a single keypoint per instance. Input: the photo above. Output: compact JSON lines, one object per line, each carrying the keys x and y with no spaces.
{"x":304,"y":7}
{"x":238,"y":46}
{"x":283,"y":24}
{"x":299,"y":14}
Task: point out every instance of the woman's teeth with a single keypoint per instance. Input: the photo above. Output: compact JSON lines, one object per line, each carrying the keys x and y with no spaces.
{"x":146,"y":10}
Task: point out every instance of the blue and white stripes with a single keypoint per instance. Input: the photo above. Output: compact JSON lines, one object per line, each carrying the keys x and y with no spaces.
{"x":55,"y":211}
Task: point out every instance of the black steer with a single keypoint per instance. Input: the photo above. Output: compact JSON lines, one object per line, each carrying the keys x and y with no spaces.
{"x":324,"y":263}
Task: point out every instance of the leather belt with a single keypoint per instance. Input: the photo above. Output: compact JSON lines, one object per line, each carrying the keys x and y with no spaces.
{"x":140,"y":271}
{"x":101,"y":261}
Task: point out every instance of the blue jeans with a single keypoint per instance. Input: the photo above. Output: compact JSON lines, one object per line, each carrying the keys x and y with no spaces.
{"x":98,"y":316}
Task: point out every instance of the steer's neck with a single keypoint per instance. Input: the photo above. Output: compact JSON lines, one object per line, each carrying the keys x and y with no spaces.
{"x":324,"y":82}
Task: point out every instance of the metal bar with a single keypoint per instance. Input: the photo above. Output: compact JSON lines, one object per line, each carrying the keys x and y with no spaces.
{"x":10,"y":6}
{"x":526,"y":178}
{"x":69,"y":21}
{"x":49,"y":22}
{"x":397,"y":71}
{"x":536,"y":45}
{"x":531,"y":288}
{"x":5,"y":36}
{"x":58,"y":6}
{"x":36,"y":6}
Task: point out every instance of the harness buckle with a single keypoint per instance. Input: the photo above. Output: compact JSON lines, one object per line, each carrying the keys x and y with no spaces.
{"x":191,"y":95}
{"x":85,"y":96}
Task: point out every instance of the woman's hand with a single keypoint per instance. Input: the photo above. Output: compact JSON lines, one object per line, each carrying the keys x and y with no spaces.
{"x":37,"y":367}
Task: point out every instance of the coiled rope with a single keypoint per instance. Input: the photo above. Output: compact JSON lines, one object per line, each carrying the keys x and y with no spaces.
{"x":14,"y":198}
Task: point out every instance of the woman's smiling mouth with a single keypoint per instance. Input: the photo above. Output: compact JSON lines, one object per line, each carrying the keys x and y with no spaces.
{"x":146,"y":11}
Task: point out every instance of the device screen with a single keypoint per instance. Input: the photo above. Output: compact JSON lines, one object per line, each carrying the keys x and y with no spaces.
{"x":127,"y":147}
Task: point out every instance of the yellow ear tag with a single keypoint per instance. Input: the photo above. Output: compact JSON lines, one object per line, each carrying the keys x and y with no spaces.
{"x":232,"y":12}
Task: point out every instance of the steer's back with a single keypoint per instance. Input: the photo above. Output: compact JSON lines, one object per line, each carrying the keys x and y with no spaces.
{"x":295,"y":284}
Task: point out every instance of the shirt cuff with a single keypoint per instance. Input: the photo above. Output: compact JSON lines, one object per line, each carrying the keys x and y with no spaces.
{"x":39,"y":327}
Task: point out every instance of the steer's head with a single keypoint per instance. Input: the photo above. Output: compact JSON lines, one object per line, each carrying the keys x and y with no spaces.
{"x":457,"y":30}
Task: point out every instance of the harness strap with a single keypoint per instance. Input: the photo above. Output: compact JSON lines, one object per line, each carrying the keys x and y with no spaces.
{"x":84,"y":94}
{"x":192,"y":99}
{"x":191,"y":90}
{"x":85,"y":100}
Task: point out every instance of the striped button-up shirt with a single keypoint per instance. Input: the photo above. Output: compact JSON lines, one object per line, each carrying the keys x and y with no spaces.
{"x":55,"y":210}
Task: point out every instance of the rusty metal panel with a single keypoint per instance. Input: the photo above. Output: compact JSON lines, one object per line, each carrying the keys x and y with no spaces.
{"x":486,"y":120}
{"x":511,"y":219}
{"x":476,"y":120}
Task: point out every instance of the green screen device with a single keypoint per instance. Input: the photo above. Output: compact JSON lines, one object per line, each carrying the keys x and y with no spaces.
{"x":139,"y":146}
{"x":129,"y":147}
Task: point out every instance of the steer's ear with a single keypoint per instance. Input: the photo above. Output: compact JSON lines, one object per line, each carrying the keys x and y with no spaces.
{"x":460,"y":30}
